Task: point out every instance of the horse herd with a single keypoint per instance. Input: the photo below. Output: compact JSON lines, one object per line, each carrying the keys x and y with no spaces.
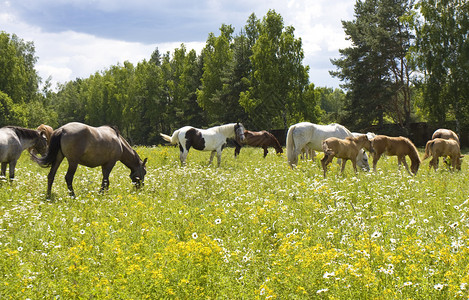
{"x":103,"y":146}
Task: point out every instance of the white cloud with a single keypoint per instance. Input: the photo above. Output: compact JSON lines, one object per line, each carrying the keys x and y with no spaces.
{"x":66,"y":55}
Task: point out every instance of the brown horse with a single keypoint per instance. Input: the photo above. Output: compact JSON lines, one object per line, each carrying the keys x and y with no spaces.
{"x":446,"y":134}
{"x":346,"y":149}
{"x":396,"y":146}
{"x":443,"y":147}
{"x":263,"y":139}
{"x":92,"y":147}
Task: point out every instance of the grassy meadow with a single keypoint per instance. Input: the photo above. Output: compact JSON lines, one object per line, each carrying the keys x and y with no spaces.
{"x":251,"y":229}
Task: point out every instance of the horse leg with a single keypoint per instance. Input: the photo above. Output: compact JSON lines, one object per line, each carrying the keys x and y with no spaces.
{"x":404,"y":162}
{"x":237,"y":150}
{"x":376,"y":157}
{"x":265,"y":151}
{"x":4,"y":169}
{"x":106,"y":170}
{"x":325,"y":161}
{"x":52,"y":172}
{"x":344,"y":161}
{"x":11,"y":169}
{"x":72,"y":168}
{"x":323,"y":164}
{"x":434,"y":162}
{"x":219,"y":157}
{"x":182,"y":156}
{"x":212,"y":155}
{"x":354,"y":164}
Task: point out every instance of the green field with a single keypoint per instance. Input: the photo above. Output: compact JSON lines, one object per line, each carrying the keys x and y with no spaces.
{"x":252,"y":228}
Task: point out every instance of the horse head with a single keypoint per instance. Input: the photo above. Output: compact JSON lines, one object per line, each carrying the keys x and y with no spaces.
{"x":239,"y":132}
{"x":138,"y":174}
{"x":414,"y":167}
{"x":40,"y":144}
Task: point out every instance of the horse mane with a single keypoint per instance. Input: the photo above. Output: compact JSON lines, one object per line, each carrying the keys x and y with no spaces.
{"x":224,"y":128}
{"x":274,"y":139}
{"x":24,"y":132}
{"x":413,"y":154}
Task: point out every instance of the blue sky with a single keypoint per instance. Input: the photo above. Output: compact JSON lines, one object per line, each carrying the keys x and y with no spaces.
{"x":76,"y":38}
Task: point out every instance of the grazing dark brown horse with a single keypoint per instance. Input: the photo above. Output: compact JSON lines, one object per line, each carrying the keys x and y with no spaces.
{"x":13,"y":141}
{"x":446,"y":134}
{"x":443,"y":147}
{"x":263,"y":139}
{"x":396,"y":146}
{"x":346,"y":149}
{"x":92,"y":147}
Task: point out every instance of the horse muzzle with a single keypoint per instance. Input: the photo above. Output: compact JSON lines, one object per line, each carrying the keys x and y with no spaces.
{"x":138,"y":183}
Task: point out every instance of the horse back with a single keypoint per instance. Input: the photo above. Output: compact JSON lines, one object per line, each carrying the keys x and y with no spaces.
{"x":443,"y":147}
{"x":90,"y":146}
{"x":445,"y":134}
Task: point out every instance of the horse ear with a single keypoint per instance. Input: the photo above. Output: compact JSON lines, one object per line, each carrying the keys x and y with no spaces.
{"x":145,"y":161}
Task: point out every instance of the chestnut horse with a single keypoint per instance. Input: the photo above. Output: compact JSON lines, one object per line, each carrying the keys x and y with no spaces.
{"x":443,"y":147}
{"x":346,"y":149}
{"x":92,"y":147}
{"x":263,"y":139}
{"x":396,"y":146}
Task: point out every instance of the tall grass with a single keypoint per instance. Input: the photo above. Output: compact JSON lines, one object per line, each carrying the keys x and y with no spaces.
{"x":252,"y":228}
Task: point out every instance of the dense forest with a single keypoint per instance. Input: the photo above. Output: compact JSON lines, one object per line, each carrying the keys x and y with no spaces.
{"x":408,"y":61}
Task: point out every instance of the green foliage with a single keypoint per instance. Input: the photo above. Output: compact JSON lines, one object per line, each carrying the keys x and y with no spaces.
{"x":375,"y":68}
{"x":217,"y":58}
{"x":442,"y":54}
{"x":6,"y":106}
{"x":18,"y":78}
{"x":279,"y":78}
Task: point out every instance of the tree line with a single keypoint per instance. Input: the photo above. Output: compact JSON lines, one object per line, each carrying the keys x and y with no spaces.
{"x":406,"y":62}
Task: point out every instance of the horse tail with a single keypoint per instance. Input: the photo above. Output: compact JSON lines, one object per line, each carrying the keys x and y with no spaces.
{"x":291,"y":156}
{"x":174,"y":139}
{"x":428,"y":151}
{"x":52,"y":151}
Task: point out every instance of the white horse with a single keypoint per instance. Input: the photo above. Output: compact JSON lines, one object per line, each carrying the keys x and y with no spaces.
{"x":211,"y":139}
{"x":309,"y":136}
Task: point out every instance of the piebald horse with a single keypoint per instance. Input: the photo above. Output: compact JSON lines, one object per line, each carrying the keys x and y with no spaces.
{"x":13,"y":141}
{"x":90,"y":146}
{"x":212,"y":139}
{"x":309,"y":136}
